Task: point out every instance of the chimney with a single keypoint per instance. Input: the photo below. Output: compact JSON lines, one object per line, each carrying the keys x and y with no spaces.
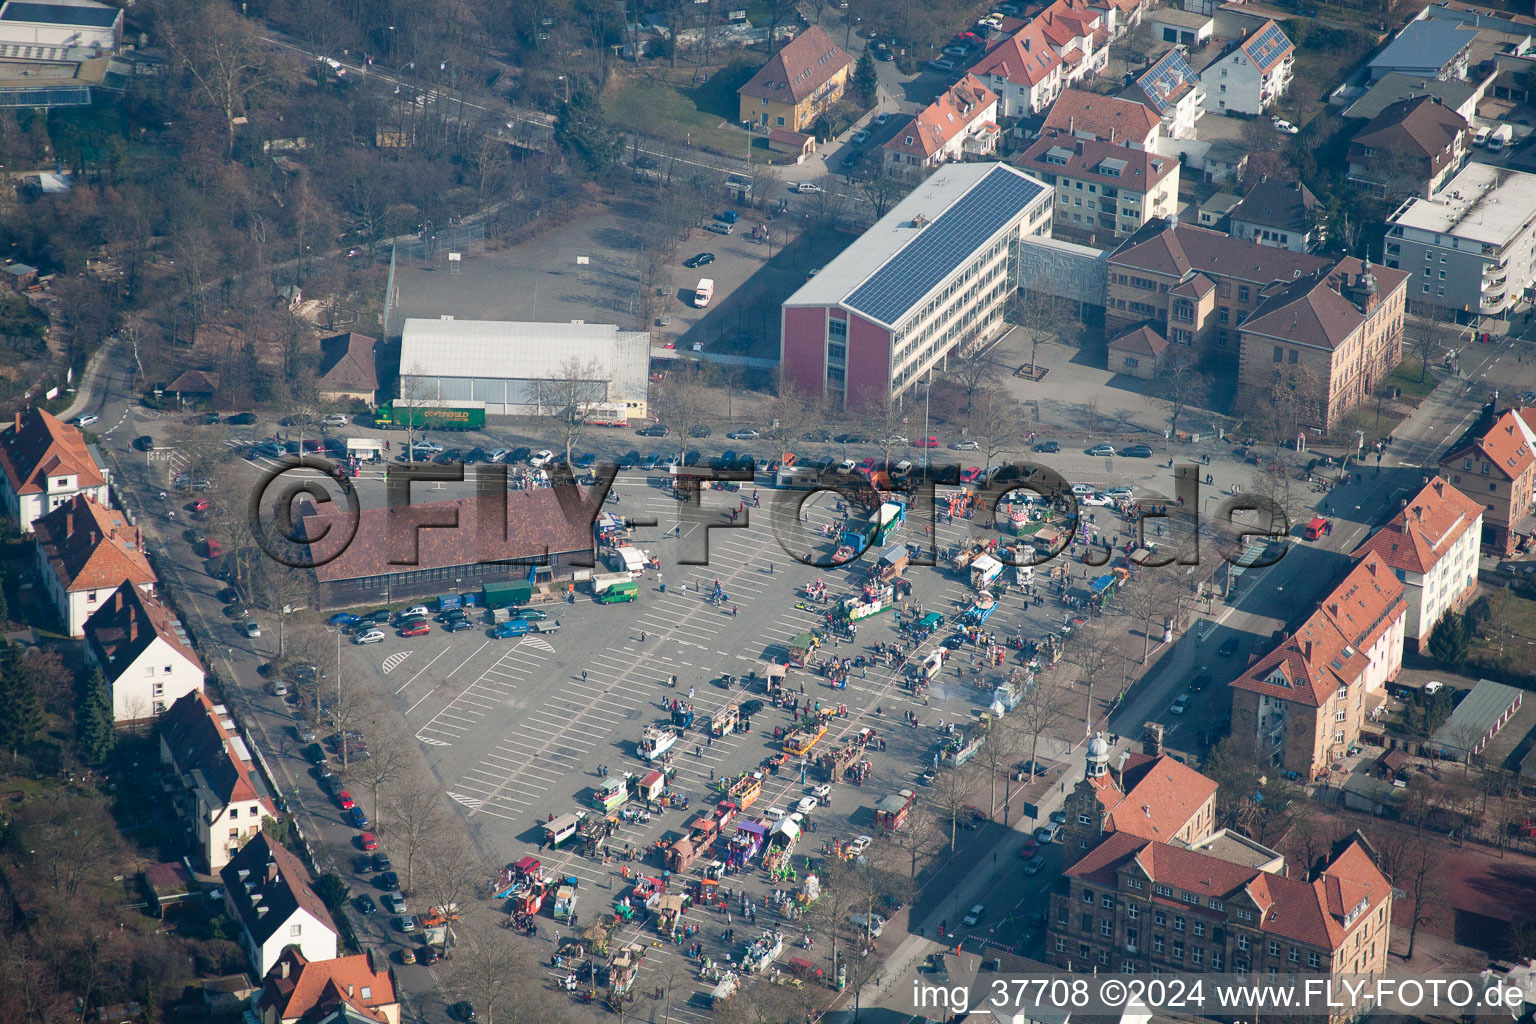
{"x":1071,"y":124}
{"x":18,"y":423}
{"x":1333,"y":609}
{"x":282,"y":968}
{"x":1152,"y":739}
{"x":133,"y":627}
{"x":1026,"y":44}
{"x":1079,"y":147}
{"x":1306,"y":650}
{"x":271,"y":871}
{"x":349,"y":990}
{"x":117,"y":601}
{"x":69,"y":523}
{"x":1111,"y":133}
{"x":1439,"y":486}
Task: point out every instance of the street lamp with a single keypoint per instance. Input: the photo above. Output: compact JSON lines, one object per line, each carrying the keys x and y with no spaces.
{"x":927,"y":390}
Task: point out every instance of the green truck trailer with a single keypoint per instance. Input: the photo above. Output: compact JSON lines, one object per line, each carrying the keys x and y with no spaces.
{"x":505,"y":595}
{"x":435,"y":418}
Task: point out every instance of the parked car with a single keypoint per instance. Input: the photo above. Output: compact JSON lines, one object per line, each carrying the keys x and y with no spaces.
{"x":943,"y":64}
{"x":1102,"y":450}
{"x":655,"y":430}
{"x":512,"y":628}
{"x":388,"y":881}
{"x":807,"y":186}
{"x":860,"y":137}
{"x":369,"y":636}
{"x":1282,"y":125}
{"x":744,"y":434}
{"x":381,"y":861}
{"x":394,"y":901}
{"x":407,"y":924}
{"x":1137,"y":451}
{"x":807,"y":804}
{"x":457,"y":625}
{"x":1180,"y":704}
{"x":1048,"y":447}
{"x":251,"y":629}
{"x":702,"y":259}
{"x":1034,"y":865}
{"x":368,"y":841}
{"x":964,"y":446}
{"x":1047,"y":833}
{"x":86,"y":420}
{"x":974,"y":915}
{"x":241,"y":419}
{"x":542,"y":458}
{"x":357,"y":818}
{"x":419,"y":627}
{"x":1228,"y":647}
{"x":334,"y":419}
{"x":366,"y":906}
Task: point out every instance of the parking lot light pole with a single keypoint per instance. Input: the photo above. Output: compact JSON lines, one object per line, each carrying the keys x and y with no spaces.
{"x":927,"y":390}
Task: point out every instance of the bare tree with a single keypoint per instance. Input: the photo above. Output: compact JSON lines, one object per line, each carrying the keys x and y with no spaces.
{"x":491,"y":971}
{"x":682,"y":402}
{"x":1091,"y":650}
{"x":1423,"y":340}
{"x":392,"y":758}
{"x":921,"y":834}
{"x":995,"y":424}
{"x":973,"y":373}
{"x":1422,"y":877}
{"x":416,"y":821}
{"x":453,"y":874}
{"x":567,"y":399}
{"x":1181,"y":385}
{"x":882,"y":191}
{"x":951,"y":791}
{"x":222,"y":53}
{"x":997,"y":756}
{"x":1042,"y":317}
{"x":1148,"y":599}
{"x":1042,"y":706}
{"x":884,"y":423}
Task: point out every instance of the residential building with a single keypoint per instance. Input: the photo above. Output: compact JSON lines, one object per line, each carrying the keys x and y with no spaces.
{"x":1081,"y":35}
{"x":1195,"y":285}
{"x":1471,"y":247}
{"x":143,"y":652}
{"x":268,"y":893}
{"x":1299,"y":708}
{"x":1137,"y":352}
{"x":85,"y":551}
{"x":798,"y":84}
{"x":1453,"y":94}
{"x":1284,"y":214}
{"x":1143,"y":794}
{"x":961,"y":122}
{"x":1431,"y":546}
{"x":1330,"y":337}
{"x":1480,"y":17}
{"x":1216,"y":212}
{"x":1410,"y":148}
{"x":1079,"y":114}
{"x":1136,"y":905}
{"x":1172,"y":90}
{"x":1429,"y":48}
{"x":445,"y":547}
{"x":348,"y":372}
{"x":1496,"y":464}
{"x":220,"y":796}
{"x":59,"y":30}
{"x":1251,"y":76}
{"x":347,"y":990}
{"x":929,"y":279}
{"x":1103,"y":189}
{"x":504,"y":366}
{"x":1024,"y":70}
{"x":47,"y":463}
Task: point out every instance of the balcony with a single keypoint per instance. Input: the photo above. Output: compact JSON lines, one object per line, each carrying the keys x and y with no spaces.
{"x":1495,"y":282}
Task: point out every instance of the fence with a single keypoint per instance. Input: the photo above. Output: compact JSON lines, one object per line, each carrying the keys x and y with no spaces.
{"x":441,"y":242}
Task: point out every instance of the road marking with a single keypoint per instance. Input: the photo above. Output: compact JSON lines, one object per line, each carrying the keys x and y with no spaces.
{"x":395,"y":659}
{"x":535,"y":642}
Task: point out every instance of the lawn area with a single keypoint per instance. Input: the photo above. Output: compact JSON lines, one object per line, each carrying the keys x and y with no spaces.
{"x":1515,"y":636}
{"x":670,"y":106}
{"x":1406,"y":379}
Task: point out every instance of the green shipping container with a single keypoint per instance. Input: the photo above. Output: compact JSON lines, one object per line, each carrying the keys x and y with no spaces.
{"x":504,"y":595}
{"x":435,"y":418}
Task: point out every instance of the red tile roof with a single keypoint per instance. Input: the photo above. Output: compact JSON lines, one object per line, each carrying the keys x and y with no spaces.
{"x":1092,"y":160}
{"x":92,"y":547}
{"x":1107,"y":118}
{"x":1314,"y":311}
{"x":38,"y":445}
{"x":1421,"y":534}
{"x":1506,"y":445}
{"x":955,"y":109}
{"x":1141,"y":341}
{"x":195,"y":382}
{"x":347,"y":363}
{"x":202,"y":740}
{"x":1322,"y":913}
{"x":1177,"y":250}
{"x":296,"y":988}
{"x":1160,"y":797}
{"x":802,"y":65}
{"x":1024,"y":58}
{"x":1330,"y":648}
{"x":543,"y":522}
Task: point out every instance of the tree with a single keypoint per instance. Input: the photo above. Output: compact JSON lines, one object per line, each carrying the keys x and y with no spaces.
{"x":884,"y":423}
{"x":1149,"y":600}
{"x":682,"y":403}
{"x":567,"y":399}
{"x":21,"y":711}
{"x":453,"y":874}
{"x":1039,"y":709}
{"x":95,"y":733}
{"x":997,"y":756}
{"x":392,"y":757}
{"x":865,"y":80}
{"x":332,"y":891}
{"x":1090,"y":649}
{"x":1422,"y":339}
{"x":223,"y":54}
{"x":882,"y":190}
{"x":951,"y":791}
{"x":973,"y":373}
{"x":920,"y":834}
{"x":994,"y":424}
{"x":493,"y":973}
{"x":1422,"y":877}
{"x":1181,"y":385}
{"x":1449,"y":640}
{"x":588,"y":141}
{"x":416,"y":821}
{"x":1042,"y":317}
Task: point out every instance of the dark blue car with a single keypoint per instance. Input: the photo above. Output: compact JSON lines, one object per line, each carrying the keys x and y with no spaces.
{"x":343,"y":619}
{"x":356,"y":816}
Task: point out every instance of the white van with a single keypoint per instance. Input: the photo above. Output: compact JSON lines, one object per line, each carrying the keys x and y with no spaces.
{"x":703,"y":293}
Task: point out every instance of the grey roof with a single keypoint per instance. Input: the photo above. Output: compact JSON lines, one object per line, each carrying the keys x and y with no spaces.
{"x":896,"y":263}
{"x":87,"y":15}
{"x":267,"y":885}
{"x":1477,"y":714}
{"x":521,"y":350}
{"x":1396,"y":86}
{"x":1430,"y":44}
{"x":1286,"y":205}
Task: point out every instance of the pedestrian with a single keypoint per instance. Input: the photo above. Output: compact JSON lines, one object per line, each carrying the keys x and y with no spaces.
{"x":583,"y":675}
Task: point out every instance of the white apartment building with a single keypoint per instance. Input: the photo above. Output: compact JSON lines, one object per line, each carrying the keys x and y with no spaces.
{"x":144,"y":654}
{"x":221,"y":799}
{"x":268,"y":891}
{"x":85,"y":551}
{"x":1471,"y":247}
{"x":46,"y":462}
{"x":1252,"y":76}
{"x":1431,"y":547}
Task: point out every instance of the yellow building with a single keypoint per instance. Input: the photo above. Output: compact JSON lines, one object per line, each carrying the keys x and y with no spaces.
{"x":800,"y":82}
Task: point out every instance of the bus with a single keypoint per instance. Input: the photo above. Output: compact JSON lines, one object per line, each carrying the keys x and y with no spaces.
{"x":435,"y":417}
{"x":704,"y":292}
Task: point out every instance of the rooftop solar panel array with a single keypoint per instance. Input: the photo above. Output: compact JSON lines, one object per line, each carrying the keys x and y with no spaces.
{"x":1165,"y":78}
{"x":59,"y":14}
{"x":943,"y":245}
{"x":1268,"y":47}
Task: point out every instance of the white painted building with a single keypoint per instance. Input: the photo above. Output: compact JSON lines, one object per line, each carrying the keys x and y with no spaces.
{"x":498,"y":364}
{"x":85,"y":551}
{"x":221,"y":797}
{"x":1252,"y":76}
{"x":1431,"y":546}
{"x":46,"y":462}
{"x":143,"y":652}
{"x":268,"y":892}
{"x":59,"y":30}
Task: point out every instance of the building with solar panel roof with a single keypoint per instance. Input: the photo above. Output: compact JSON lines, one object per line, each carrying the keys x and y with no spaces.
{"x":61,"y":30}
{"x":929,"y":280}
{"x":1251,"y":76}
{"x":1171,"y":89}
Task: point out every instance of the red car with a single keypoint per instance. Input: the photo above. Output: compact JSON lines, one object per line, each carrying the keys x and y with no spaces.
{"x":974,"y":475}
{"x":201,"y":505}
{"x":344,"y":800}
{"x":926,"y":442}
{"x":367,"y":840}
{"x":1029,"y":849}
{"x":415,"y":629}
{"x":868,"y":466}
